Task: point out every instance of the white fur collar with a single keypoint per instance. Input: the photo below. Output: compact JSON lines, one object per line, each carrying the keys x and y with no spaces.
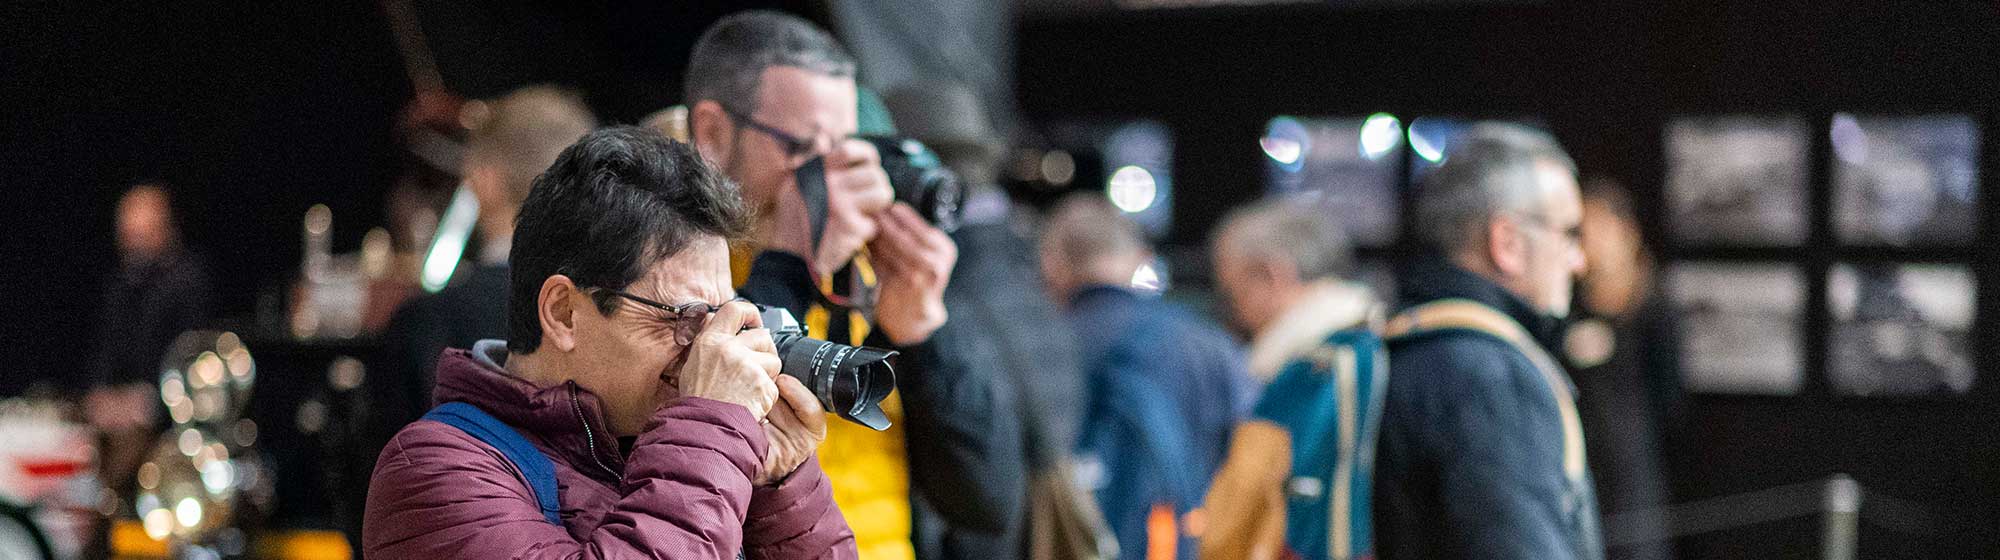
{"x":1327,"y":306}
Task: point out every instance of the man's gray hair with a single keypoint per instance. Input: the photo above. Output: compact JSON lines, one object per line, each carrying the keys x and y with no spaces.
{"x":1489,"y":171}
{"x":1294,"y":230}
{"x":525,"y":131}
{"x":729,"y":60}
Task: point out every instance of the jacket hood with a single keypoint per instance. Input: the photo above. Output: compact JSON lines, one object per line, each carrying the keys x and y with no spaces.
{"x":566,"y":417}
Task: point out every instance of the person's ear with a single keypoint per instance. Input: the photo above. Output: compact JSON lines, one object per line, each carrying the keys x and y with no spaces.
{"x":1506,"y":247}
{"x":556,"y":306}
{"x":712,"y":132}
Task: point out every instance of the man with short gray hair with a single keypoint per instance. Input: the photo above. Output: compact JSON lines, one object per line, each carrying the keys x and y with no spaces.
{"x":771,"y":101}
{"x":1297,"y":480}
{"x":1481,"y":452}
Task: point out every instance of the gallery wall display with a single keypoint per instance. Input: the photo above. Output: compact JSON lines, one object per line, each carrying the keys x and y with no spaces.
{"x":1740,"y":326}
{"x":1905,"y":181}
{"x":1901,"y":329}
{"x":1737,"y":180}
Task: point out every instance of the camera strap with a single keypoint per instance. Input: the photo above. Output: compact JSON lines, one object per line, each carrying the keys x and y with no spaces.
{"x":811,"y":181}
{"x":1471,"y":316}
{"x":860,"y":277}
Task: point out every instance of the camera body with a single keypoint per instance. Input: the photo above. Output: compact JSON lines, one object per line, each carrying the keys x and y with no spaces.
{"x":850,"y":381}
{"x":921,"y":180}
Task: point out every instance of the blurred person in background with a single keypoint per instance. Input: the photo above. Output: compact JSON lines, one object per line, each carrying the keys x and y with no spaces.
{"x":1299,"y":473}
{"x":1481,"y":452}
{"x":666,"y":433}
{"x":1165,"y":387}
{"x":999,"y":314}
{"x":767,"y":95}
{"x":1624,"y":351}
{"x":525,"y":130}
{"x":161,"y":289}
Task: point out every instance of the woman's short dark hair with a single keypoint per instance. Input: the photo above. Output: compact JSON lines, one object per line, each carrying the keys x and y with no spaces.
{"x":614,"y":204}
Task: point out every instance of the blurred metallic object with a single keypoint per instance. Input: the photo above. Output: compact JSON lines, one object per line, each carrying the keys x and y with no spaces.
{"x":330,"y":299}
{"x":192,"y":487}
{"x":204,"y":475}
{"x":205,"y":379}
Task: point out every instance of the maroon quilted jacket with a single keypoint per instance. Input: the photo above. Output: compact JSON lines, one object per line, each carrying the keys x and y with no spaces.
{"x":683,"y":491}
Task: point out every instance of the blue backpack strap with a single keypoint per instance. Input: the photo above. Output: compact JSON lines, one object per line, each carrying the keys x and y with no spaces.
{"x":534,"y":466}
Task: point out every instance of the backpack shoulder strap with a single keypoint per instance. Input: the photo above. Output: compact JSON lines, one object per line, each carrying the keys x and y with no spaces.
{"x":534,"y":466}
{"x":1467,"y":315}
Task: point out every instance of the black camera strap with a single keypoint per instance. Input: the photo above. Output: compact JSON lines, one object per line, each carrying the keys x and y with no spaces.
{"x":811,"y":180}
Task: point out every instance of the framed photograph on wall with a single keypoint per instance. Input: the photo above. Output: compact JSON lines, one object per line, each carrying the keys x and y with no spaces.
{"x":1901,"y":329}
{"x":1737,"y":181}
{"x":1349,"y":164}
{"x":1905,"y":181}
{"x":1740,"y":326}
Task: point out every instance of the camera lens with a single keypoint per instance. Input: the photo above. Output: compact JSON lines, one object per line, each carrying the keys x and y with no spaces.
{"x":849,"y":381}
{"x":921,"y":180}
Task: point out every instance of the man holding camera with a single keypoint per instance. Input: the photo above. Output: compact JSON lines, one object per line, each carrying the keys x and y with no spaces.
{"x":637,"y":409}
{"x":772,"y":101}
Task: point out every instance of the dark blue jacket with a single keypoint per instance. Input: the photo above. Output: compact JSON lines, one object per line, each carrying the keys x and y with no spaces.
{"x":1470,"y":463}
{"x":1180,"y":385}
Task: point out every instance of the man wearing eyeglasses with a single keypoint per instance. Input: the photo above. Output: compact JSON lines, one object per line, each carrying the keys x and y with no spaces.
{"x":1482,"y":452}
{"x":636,"y":410}
{"x":768,"y":95}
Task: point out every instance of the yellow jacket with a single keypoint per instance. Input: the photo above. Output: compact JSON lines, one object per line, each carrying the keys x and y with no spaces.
{"x":868,"y":469}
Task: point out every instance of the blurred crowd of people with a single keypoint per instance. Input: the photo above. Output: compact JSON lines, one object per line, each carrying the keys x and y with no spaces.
{"x":1046,"y":405}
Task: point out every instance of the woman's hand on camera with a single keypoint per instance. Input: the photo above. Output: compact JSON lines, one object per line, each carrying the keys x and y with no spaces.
{"x":795,"y":428}
{"x":733,"y":360}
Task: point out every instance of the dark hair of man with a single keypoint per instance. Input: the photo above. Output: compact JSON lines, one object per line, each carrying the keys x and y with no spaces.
{"x":729,"y":60}
{"x":614,"y":204}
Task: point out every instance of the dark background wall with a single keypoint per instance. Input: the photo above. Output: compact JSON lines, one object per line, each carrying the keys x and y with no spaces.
{"x":1604,"y":77}
{"x":254,"y":111}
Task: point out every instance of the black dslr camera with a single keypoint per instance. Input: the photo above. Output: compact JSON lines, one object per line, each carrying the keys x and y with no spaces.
{"x":849,"y":380}
{"x":921,"y":180}
{"x":916,"y":174}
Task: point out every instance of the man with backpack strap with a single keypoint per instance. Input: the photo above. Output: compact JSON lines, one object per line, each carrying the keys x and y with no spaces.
{"x":1481,"y":454}
{"x":1299,"y":472}
{"x":636,"y":411}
